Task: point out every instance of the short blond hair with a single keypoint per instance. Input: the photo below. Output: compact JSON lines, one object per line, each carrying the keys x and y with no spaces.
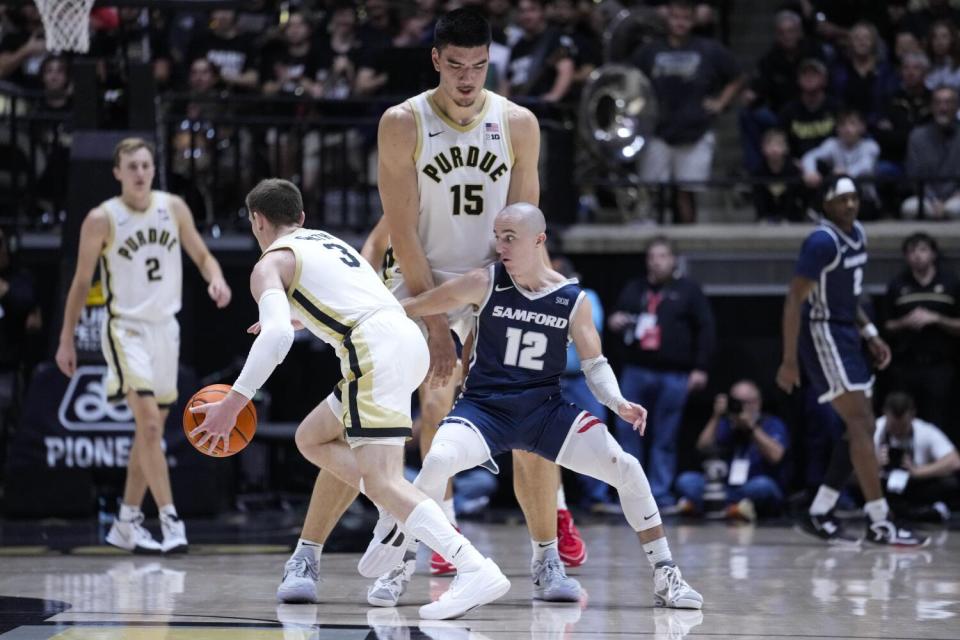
{"x":129,"y":145}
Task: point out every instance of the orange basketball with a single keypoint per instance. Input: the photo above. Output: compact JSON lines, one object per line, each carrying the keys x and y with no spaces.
{"x":242,"y":432}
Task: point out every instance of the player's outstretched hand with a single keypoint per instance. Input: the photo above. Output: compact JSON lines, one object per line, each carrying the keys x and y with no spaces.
{"x":219,"y":292}
{"x":67,"y":359}
{"x":216,"y":426}
{"x":443,"y":358}
{"x":635,"y":414}
{"x":880,"y":352}
{"x":788,"y":376}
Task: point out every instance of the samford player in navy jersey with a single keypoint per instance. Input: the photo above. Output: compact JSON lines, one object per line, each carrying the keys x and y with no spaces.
{"x":526,"y":314}
{"x":823,"y":321}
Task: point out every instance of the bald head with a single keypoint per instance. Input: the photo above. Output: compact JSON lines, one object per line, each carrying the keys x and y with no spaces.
{"x":525,"y":215}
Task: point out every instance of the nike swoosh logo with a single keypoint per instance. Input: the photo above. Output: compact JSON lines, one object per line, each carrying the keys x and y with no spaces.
{"x":434,"y":134}
{"x":649,"y":553}
{"x":544,"y":546}
{"x":499,"y":288}
{"x":650,"y":516}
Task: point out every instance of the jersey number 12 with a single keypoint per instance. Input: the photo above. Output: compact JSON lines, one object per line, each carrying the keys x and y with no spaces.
{"x":534,"y":346}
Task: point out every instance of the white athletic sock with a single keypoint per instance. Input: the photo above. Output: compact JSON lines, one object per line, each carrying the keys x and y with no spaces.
{"x":825,"y":500}
{"x":658,"y":552}
{"x":539,"y":548}
{"x":427,"y":523}
{"x":168,"y":511}
{"x":308,"y":548}
{"x":128,"y":512}
{"x":561,"y":499}
{"x":878,"y":510}
{"x":449,"y":511}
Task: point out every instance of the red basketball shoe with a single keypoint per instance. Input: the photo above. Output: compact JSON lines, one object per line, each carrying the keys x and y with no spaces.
{"x":570,"y":546}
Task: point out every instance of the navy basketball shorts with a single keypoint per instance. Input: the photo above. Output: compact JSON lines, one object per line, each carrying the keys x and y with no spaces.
{"x":832,"y":358}
{"x":534,"y":420}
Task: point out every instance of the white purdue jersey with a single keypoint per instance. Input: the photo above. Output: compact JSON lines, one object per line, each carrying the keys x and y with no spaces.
{"x":141,"y":266}
{"x":334,"y":288}
{"x":463,"y":178}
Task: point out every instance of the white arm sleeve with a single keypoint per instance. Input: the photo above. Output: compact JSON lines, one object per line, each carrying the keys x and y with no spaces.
{"x":602,"y":382}
{"x":271,"y":346}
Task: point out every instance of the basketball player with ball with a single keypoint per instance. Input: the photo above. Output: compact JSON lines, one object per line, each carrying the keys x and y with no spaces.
{"x":136,"y":238}
{"x":357,"y":433}
{"x":449,"y":159}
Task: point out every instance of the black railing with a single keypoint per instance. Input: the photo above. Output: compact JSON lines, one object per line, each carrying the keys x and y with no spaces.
{"x":214,"y":148}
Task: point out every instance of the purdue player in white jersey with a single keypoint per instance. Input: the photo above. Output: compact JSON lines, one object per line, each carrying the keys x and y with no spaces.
{"x":449,"y":160}
{"x":136,"y":237}
{"x":319,"y":281}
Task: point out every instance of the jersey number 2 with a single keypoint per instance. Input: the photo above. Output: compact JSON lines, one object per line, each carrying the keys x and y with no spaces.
{"x":858,"y":281}
{"x":467,"y":198}
{"x":534,"y":346}
{"x":153,"y":267}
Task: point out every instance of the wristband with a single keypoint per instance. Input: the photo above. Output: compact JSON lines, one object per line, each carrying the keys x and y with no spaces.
{"x":869,"y":331}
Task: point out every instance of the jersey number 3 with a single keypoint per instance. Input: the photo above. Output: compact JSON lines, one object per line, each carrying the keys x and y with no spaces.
{"x":534,"y":346}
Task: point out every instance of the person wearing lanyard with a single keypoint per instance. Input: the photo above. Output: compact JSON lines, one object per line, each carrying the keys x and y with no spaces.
{"x":752,"y":444}
{"x":667,"y":329}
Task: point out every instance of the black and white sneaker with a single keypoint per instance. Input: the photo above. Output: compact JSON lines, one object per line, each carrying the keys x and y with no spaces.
{"x":827,"y":528}
{"x":889,"y":533}
{"x":131,"y":535}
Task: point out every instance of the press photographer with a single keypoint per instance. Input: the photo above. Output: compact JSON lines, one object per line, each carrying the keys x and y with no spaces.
{"x":752,"y":444}
{"x":919,"y":463}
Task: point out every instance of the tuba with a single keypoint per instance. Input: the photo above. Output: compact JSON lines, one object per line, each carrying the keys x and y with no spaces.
{"x":618,"y":108}
{"x":618,"y":113}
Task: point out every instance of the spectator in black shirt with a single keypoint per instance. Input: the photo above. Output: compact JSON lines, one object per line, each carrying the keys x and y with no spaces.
{"x":541,"y":64}
{"x":380,"y":26}
{"x":780,"y":197}
{"x":233,"y":52}
{"x":586,"y":50}
{"x":292,"y":70}
{"x":774,"y":84}
{"x":908,"y":107}
{"x":695,"y":79}
{"x":923,"y":320}
{"x":667,"y":329}
{"x":337,"y":53}
{"x":861,"y":80}
{"x":52,"y":132}
{"x":23,"y":48}
{"x":811,"y":118}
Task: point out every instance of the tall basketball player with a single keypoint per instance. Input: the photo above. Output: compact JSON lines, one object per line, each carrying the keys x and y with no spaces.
{"x":449,"y":160}
{"x":136,"y":237}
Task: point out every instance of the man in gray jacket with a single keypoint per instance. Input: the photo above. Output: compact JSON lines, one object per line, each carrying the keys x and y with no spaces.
{"x":933,"y":151}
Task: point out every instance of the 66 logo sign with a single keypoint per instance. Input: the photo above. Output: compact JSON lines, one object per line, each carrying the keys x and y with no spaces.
{"x":85,"y":408}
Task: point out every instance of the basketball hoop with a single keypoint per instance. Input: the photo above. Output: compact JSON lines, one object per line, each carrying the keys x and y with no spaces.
{"x":66,"y":24}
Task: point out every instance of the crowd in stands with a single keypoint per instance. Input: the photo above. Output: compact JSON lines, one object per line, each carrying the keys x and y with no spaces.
{"x":863,"y":88}
{"x":866,"y":88}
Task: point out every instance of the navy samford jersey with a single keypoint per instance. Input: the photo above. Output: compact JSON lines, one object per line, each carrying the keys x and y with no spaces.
{"x":522,"y":336}
{"x":836,"y":262}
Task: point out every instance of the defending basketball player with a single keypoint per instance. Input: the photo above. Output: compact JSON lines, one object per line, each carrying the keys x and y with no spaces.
{"x":136,"y":238}
{"x":319,"y":281}
{"x":823,"y":320}
{"x":449,"y":159}
{"x":525,"y":315}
